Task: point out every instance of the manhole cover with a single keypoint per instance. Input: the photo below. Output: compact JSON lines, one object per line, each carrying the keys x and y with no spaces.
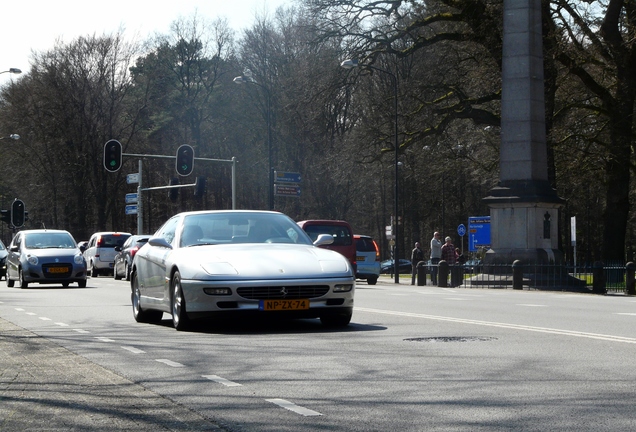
{"x":452,"y":339}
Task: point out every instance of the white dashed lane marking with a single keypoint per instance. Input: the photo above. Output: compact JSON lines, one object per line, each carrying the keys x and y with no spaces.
{"x":223,"y":381}
{"x":169,"y":362}
{"x":133,"y":350}
{"x":293,"y":407}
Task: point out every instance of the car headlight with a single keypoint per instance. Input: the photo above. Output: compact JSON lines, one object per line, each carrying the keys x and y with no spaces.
{"x":343,"y":288}
{"x":32,"y":259}
{"x":79,"y":259}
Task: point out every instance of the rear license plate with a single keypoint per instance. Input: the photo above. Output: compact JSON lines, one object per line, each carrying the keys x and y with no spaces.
{"x":360,"y":258}
{"x":282,"y":305}
{"x":57,"y":270}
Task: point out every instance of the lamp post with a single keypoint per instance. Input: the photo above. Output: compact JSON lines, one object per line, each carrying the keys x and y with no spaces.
{"x":247,"y":78}
{"x":350,"y":64}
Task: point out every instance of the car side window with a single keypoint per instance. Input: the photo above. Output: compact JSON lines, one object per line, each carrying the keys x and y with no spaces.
{"x":167,"y":231}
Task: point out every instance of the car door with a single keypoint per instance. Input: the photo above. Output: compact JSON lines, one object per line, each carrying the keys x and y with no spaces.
{"x":151,"y":265}
{"x":13,"y":257}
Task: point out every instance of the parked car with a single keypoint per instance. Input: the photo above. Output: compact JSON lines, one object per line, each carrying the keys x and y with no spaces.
{"x":340,"y":231}
{"x":122,"y":262}
{"x":100,"y":252}
{"x":367,"y":258}
{"x":387,"y":266}
{"x":3,"y":260}
{"x":238,"y":262}
{"x":472,"y":266}
{"x":46,"y":257}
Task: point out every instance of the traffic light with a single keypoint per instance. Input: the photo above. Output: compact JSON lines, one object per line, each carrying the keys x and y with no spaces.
{"x":6,"y":216}
{"x":112,"y":155}
{"x":185,"y":160}
{"x":17,"y":213}
{"x":199,"y":188}
{"x":173,"y":193}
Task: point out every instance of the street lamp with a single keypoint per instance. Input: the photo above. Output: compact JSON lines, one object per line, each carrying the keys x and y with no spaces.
{"x":12,"y":70}
{"x":247,"y":78}
{"x":350,"y":64}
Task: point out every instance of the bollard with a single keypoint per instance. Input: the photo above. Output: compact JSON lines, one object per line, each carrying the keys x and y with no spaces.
{"x":421,"y":273}
{"x":598,"y":275}
{"x":442,"y":274}
{"x":517,"y":275}
{"x":630,"y":284}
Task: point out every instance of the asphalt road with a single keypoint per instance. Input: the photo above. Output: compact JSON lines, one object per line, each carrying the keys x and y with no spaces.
{"x":413,"y":359}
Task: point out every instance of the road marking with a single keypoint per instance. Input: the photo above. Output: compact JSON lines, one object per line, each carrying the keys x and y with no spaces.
{"x":104,"y":339}
{"x":31,"y":313}
{"x":624,"y":313}
{"x":455,"y":298}
{"x":223,"y":381}
{"x":506,"y":325}
{"x":81,"y":331}
{"x":169,"y":363}
{"x":532,"y":305}
{"x":19,"y":309}
{"x":61,"y":324}
{"x":133,"y":350}
{"x":293,"y":407}
{"x":45,"y":319}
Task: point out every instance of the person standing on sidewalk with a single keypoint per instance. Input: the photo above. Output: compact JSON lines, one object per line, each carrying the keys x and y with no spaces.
{"x":417,"y":255}
{"x":436,"y":256}
{"x":449,"y":255}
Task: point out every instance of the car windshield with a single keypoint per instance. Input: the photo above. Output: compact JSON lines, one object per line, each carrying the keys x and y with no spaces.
{"x":240,"y":227}
{"x":2,"y":246}
{"x":48,"y":241}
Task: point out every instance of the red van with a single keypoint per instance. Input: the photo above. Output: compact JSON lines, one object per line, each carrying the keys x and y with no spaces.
{"x":340,"y":231}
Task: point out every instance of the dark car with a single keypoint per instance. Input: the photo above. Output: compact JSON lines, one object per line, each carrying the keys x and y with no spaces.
{"x":340,"y":231}
{"x":125,"y":254}
{"x":3,"y":260}
{"x":387,"y":266}
{"x":472,"y":266}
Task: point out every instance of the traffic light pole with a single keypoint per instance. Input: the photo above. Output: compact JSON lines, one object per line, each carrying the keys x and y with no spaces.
{"x":141,"y":189}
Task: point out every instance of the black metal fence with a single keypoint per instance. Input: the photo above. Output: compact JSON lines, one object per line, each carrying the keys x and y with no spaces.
{"x":601,"y":278}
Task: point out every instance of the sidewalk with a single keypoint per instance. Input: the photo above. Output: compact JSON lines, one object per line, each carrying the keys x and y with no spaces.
{"x":44,"y":387}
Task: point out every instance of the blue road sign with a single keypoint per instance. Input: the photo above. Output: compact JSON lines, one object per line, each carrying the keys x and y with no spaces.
{"x":131,"y":209}
{"x":287,"y":190}
{"x":131,"y":198}
{"x":478,"y":233}
{"x":461,"y":230}
{"x":286,"y":177}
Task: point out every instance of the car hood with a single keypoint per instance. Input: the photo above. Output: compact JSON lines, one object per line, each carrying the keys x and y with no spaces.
{"x":53,"y":252}
{"x":259,"y":261}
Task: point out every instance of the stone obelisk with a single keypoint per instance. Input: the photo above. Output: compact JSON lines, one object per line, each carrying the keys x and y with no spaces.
{"x":523,"y":207}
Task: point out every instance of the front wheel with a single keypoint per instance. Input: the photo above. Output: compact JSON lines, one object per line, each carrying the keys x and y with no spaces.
{"x":178,"y":304}
{"x":23,"y":283}
{"x":82,"y":283}
{"x":10,"y":282}
{"x":336,"y":320}
{"x":94,"y":271}
{"x":115,"y":273}
{"x":372,"y":280}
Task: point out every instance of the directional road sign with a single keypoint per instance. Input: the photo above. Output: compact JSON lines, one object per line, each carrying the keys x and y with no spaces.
{"x":478,"y":232}
{"x":131,"y":209}
{"x":131,"y":198}
{"x":286,"y":177}
{"x":287,"y":190}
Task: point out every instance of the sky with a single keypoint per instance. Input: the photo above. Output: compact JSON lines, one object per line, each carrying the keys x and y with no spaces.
{"x":36,"y":25}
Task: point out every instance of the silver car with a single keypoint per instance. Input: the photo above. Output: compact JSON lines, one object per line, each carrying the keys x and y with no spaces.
{"x":47,"y":257}
{"x":219,"y":263}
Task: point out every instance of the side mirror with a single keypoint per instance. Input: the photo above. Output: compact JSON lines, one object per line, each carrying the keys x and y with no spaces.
{"x":82,"y":248}
{"x":323,"y":239}
{"x":117,"y":248}
{"x":159,"y":242}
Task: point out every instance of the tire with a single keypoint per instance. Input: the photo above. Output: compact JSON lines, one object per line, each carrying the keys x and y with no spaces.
{"x":115,"y":274}
{"x":372,"y":280}
{"x":127,"y":271}
{"x":140,"y":315}
{"x":94,"y":272}
{"x":23,"y":283}
{"x":336,"y":320}
{"x":65,"y":284}
{"x":10,"y":282}
{"x":178,"y":305}
{"x":82,"y":283}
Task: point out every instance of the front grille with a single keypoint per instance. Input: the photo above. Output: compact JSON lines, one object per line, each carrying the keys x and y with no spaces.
{"x":283,"y":292}
{"x":46,"y":270}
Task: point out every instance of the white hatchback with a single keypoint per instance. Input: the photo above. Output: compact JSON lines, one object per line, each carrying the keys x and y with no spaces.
{"x":100,"y":252}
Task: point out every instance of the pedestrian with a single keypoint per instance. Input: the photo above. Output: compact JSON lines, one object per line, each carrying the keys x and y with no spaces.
{"x":436,"y":255}
{"x":417,"y":255}
{"x":448,"y":252}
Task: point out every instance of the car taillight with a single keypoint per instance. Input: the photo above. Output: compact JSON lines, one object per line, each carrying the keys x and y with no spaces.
{"x":133,"y":251}
{"x":377,"y":251}
{"x":100,"y":242}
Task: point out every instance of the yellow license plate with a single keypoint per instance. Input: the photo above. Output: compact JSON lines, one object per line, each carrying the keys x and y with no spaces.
{"x":57,"y":269}
{"x":360,"y":258}
{"x":282,"y":305}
